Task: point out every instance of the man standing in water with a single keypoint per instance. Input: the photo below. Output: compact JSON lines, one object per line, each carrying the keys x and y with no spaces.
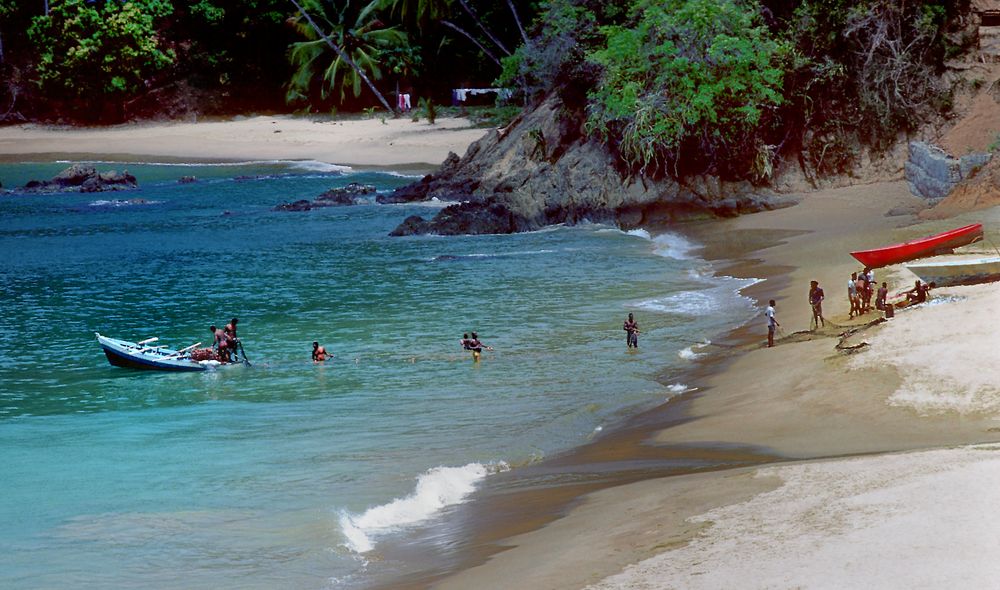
{"x":631,"y":328}
{"x":476,"y":347}
{"x":230,"y":330}
{"x":816,"y":301}
{"x":772,"y":323}
{"x":320,"y":354}
{"x":221,"y":343}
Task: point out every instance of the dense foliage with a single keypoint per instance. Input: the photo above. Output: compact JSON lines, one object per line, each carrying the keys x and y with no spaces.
{"x":694,"y":74}
{"x":93,"y":50}
{"x":731,"y":87}
{"x":108,"y":60}
{"x":672,"y":87}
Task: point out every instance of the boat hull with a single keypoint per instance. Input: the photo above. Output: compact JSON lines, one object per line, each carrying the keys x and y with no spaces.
{"x":932,"y":245}
{"x":958,"y":272}
{"x":122,"y":353}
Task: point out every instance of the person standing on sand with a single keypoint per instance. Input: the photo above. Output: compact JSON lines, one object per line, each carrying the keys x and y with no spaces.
{"x":816,"y":297}
{"x":852,"y":294}
{"x":862,"y":290}
{"x":631,"y":328}
{"x":772,"y":323}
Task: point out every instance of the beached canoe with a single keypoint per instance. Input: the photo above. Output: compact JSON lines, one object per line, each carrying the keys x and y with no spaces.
{"x":958,"y":272}
{"x":942,"y":243}
{"x":138,"y":355}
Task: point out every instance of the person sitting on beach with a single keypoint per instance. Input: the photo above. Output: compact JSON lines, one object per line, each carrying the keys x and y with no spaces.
{"x":221,"y":343}
{"x":852,"y":294}
{"x":918,"y":294}
{"x":477,"y":347}
{"x":772,"y":323}
{"x":320,"y":354}
{"x":631,"y":328}
{"x":883,"y":292}
{"x":816,"y":297}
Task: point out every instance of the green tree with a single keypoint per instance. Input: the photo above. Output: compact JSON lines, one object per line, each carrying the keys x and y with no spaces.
{"x":694,"y":79}
{"x":358,"y":38}
{"x":105,"y":50}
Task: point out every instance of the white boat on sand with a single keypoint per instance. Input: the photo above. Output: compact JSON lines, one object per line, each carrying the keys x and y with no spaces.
{"x":958,"y":272}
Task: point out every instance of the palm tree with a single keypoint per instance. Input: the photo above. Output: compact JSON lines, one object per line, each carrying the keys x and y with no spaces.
{"x":357,"y":38}
{"x":424,"y":11}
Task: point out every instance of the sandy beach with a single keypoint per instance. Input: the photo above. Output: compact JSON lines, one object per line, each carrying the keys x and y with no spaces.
{"x":896,"y":487}
{"x":885,"y":471}
{"x":363,"y":143}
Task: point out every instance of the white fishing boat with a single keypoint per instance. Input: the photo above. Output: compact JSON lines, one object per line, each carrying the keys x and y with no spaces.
{"x":142,"y":355}
{"x":958,"y":272}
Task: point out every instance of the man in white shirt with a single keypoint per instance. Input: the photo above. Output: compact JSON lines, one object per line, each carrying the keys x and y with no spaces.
{"x":772,"y":323}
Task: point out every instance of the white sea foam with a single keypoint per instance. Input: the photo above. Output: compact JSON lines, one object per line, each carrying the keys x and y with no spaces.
{"x":402,"y":175}
{"x":436,"y":489}
{"x":678,"y":388}
{"x":639,"y":233}
{"x":310,"y":165}
{"x":691,"y":353}
{"x":122,"y":203}
{"x":673,"y":246}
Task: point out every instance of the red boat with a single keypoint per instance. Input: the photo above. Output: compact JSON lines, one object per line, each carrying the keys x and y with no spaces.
{"x":942,"y":243}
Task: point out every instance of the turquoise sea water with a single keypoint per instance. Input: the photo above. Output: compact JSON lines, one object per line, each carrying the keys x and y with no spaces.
{"x":288,"y":474}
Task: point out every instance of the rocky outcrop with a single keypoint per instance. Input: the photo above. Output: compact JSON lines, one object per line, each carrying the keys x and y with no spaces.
{"x":932,"y":173}
{"x":352,"y":194}
{"x":83,"y":179}
{"x":542,"y":170}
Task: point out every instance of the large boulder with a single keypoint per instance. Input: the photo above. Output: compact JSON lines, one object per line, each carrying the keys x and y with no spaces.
{"x":86,"y":179}
{"x":352,"y":194}
{"x":542,"y":170}
{"x":932,"y":173}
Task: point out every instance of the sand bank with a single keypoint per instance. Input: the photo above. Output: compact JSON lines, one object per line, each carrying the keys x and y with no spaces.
{"x":396,"y":142}
{"x":923,"y":382}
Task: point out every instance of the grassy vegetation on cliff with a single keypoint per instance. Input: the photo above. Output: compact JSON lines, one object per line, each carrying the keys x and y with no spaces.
{"x":732,"y":87}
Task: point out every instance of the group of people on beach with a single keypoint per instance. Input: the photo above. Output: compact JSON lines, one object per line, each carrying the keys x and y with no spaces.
{"x":859,"y":294}
{"x":860,"y":288}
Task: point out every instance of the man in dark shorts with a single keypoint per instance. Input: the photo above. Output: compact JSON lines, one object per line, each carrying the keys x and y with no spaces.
{"x":816,"y":297}
{"x":631,"y":328}
{"x":230,"y":330}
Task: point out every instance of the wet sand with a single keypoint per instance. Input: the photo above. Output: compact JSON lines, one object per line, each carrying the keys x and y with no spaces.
{"x":803,"y":400}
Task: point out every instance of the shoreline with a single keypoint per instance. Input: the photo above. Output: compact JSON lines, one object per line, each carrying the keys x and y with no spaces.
{"x":806,"y":414}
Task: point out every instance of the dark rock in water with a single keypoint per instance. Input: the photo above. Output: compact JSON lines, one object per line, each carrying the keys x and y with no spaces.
{"x":347,"y":195}
{"x":187,"y":179}
{"x":85,"y":179}
{"x":336,"y":197}
{"x":542,"y":170}
{"x":75,"y":175}
{"x":300,"y":205}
